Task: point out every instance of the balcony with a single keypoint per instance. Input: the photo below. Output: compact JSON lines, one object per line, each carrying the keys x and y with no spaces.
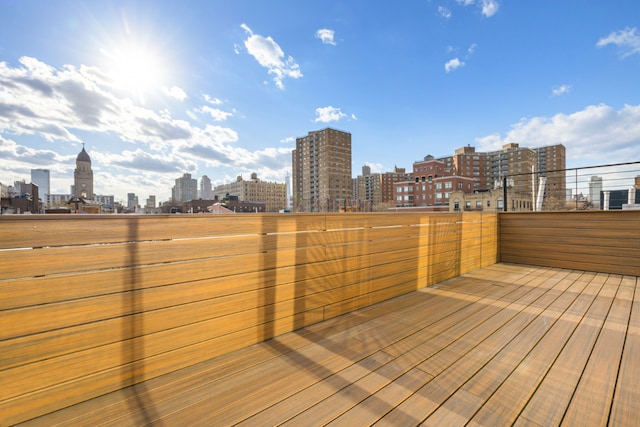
{"x":343,"y":319}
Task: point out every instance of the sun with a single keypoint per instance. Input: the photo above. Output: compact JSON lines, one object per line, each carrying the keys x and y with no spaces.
{"x":134,"y":68}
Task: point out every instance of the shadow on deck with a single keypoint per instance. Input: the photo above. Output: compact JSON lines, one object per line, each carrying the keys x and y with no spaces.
{"x":506,"y":344}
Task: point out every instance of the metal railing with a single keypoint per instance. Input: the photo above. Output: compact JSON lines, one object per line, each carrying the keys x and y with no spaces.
{"x":601,"y":187}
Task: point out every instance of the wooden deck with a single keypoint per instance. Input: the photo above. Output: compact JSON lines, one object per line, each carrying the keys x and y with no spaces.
{"x":507,"y":344}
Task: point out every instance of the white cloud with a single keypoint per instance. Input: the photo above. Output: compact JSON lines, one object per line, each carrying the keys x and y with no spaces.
{"x":269,"y":55}
{"x":472,"y":49}
{"x":627,"y":41}
{"x":444,"y":12}
{"x":489,"y":7}
{"x":215,"y":113}
{"x":210,"y":100}
{"x":175,"y":92}
{"x":560,"y":90}
{"x":329,"y":114}
{"x":326,"y":35}
{"x":288,"y":140}
{"x":67,"y":105}
{"x":453,"y":64}
{"x":598,"y":133}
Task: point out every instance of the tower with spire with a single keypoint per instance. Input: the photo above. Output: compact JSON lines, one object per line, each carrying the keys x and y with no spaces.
{"x":83,"y":176}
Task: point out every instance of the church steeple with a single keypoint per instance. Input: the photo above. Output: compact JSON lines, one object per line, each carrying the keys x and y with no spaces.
{"x":83,"y":176}
{"x":83,"y":156}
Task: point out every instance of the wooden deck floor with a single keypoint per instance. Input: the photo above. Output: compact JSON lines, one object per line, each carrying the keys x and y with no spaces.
{"x":508,"y":344}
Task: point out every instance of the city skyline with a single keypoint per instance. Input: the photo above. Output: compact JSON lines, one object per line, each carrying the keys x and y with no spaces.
{"x":223,"y":88}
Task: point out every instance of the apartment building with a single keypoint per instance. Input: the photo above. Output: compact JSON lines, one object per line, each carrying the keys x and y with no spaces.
{"x":521,"y":166}
{"x":272,"y":194}
{"x":185,"y":189}
{"x":432,"y":183}
{"x":375,"y":190}
{"x":552,"y":164}
{"x":322,"y":171}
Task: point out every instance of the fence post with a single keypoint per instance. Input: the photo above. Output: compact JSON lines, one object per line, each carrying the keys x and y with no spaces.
{"x":504,"y":191}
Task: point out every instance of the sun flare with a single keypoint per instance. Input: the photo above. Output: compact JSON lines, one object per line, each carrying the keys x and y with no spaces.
{"x":135,"y":69}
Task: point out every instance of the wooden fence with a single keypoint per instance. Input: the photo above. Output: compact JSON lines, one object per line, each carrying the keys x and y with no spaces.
{"x":602,"y":241}
{"x":91,"y":304}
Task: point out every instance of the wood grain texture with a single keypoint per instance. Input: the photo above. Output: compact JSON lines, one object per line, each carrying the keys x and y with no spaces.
{"x":503,"y":345}
{"x":602,"y":241}
{"x":95,"y":303}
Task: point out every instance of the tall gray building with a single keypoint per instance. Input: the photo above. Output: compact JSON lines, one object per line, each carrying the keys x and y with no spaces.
{"x":595,"y":187}
{"x":206,"y":191}
{"x":186,"y":189}
{"x":42,"y":178}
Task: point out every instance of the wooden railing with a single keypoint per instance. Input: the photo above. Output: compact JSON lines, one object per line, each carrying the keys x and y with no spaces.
{"x":602,"y":241}
{"x":92,"y":304}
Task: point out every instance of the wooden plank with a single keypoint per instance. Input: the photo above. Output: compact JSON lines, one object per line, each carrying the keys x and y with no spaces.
{"x":458,"y":363}
{"x":40,"y":290}
{"x":199,"y":300}
{"x":329,"y":408}
{"x":45,"y":400}
{"x":626,"y":401}
{"x":564,"y":260}
{"x":591,"y":401}
{"x":127,"y":313}
{"x":596,"y":241}
{"x":591,"y":219}
{"x":438,"y":337}
{"x":551,"y":398}
{"x":220,"y":400}
{"x":246,"y":291}
{"x":575,"y":246}
{"x":534,"y":238}
{"x":505,"y":404}
{"x":46,"y":261}
{"x":46,"y":230}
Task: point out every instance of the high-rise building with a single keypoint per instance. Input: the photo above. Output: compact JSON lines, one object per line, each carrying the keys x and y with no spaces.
{"x":206,"y":191}
{"x":132,"y":201}
{"x":322,"y":171}
{"x":186,"y":189}
{"x":552,"y":164}
{"x":151,"y":202}
{"x":272,"y":194}
{"x":83,"y":177}
{"x":41,"y":177}
{"x":374,"y":190}
{"x":595,"y":187}
{"x":519,"y":165}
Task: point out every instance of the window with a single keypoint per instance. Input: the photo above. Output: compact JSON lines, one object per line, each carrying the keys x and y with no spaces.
{"x":467,"y":205}
{"x":448,"y":185}
{"x":478,"y":204}
{"x":500,"y":204}
{"x":438,"y":186}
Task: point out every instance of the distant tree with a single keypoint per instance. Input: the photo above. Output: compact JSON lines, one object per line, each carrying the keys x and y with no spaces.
{"x":552,"y":203}
{"x":383,"y":206}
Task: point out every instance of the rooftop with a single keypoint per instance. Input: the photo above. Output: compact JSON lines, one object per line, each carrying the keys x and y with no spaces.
{"x":504,"y":344}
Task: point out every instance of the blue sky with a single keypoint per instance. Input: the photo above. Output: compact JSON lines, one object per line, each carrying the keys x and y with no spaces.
{"x":155,"y":89}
